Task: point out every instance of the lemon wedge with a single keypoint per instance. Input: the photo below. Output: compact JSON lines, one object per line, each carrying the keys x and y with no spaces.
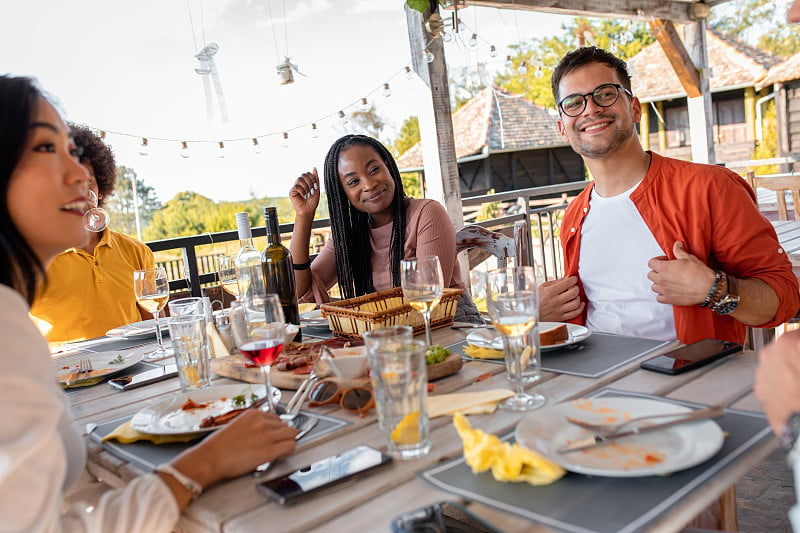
{"x":190,"y":373}
{"x":407,"y":430}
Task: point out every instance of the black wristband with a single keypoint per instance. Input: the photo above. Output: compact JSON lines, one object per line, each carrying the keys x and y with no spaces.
{"x":302,"y":266}
{"x":712,"y":292}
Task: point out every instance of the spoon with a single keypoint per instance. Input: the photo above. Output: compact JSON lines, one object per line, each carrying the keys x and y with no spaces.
{"x":320,"y":370}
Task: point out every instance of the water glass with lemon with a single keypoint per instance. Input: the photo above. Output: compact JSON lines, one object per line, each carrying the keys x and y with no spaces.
{"x":400,"y":382}
{"x":190,"y":344}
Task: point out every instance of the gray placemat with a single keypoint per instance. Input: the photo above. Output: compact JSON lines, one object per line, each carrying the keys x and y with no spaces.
{"x":593,"y":357}
{"x":585,"y":504}
{"x":147,"y":455}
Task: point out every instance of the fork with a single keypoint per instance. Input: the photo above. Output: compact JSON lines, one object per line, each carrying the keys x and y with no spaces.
{"x":84,"y":367}
{"x":610,"y":429}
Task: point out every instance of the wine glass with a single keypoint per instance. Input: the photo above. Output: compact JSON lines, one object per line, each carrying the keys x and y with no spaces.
{"x":152,"y":292}
{"x":514,"y":309}
{"x":260,"y":332}
{"x":421,"y":278}
{"x":94,"y":218}
{"x":228,"y":279}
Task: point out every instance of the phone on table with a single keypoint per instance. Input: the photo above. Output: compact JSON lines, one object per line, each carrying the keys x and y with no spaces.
{"x":323,"y":474}
{"x":691,"y":356}
{"x":444,"y":517}
{"x":159,"y":373}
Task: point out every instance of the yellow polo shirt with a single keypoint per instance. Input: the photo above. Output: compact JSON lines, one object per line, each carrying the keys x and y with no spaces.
{"x":88,"y":294}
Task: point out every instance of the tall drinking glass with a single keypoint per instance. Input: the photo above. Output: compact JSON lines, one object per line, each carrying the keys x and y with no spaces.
{"x":514,"y":309}
{"x":421,"y":278}
{"x":228,"y":279}
{"x":151,"y":287}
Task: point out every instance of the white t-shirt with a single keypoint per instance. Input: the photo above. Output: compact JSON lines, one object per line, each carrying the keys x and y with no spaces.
{"x":616,"y":245}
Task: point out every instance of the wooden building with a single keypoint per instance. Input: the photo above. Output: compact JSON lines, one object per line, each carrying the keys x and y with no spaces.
{"x":505,"y":142}
{"x":784,"y":81}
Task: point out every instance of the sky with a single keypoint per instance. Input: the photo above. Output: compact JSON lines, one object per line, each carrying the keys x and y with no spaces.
{"x":127,"y":68}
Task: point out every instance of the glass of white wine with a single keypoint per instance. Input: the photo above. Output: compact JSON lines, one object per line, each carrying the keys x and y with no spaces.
{"x":514,"y":308}
{"x":152,"y":292}
{"x":421,"y":278}
{"x":228,"y":278}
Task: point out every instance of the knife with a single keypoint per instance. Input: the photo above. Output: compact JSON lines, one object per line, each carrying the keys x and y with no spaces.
{"x":601,"y":440}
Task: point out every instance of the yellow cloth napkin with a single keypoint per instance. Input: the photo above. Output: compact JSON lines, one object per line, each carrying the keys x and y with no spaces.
{"x":480,"y":352}
{"x":83,"y":382}
{"x":484,"y":451}
{"x":126,"y":434}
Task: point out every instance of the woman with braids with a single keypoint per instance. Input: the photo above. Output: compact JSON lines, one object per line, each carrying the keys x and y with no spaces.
{"x":43,"y":190}
{"x":374,"y":225}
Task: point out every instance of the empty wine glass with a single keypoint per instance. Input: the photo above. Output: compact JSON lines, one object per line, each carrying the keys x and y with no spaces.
{"x":514,"y":309}
{"x":260,"y":332}
{"x":94,"y":218}
{"x":228,"y":279}
{"x":152,"y":292}
{"x":421,"y":278}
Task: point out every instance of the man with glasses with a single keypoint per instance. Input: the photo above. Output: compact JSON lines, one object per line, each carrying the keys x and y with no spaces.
{"x":663,"y":248}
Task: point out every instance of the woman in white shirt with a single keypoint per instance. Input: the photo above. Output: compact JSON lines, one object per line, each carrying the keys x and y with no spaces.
{"x":42,"y":190}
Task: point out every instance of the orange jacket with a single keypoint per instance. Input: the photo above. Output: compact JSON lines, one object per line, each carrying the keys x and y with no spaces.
{"x":714,"y":212}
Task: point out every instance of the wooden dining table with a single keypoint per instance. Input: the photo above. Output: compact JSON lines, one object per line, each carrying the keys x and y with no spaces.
{"x":370,"y":503}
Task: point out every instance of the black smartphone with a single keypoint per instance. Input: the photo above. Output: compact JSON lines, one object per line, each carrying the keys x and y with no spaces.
{"x":322,"y":474}
{"x":691,"y":356}
{"x":444,"y":517}
{"x":160,"y":373}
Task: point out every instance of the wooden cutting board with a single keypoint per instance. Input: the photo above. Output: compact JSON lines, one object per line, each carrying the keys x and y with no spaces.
{"x":233,"y":366}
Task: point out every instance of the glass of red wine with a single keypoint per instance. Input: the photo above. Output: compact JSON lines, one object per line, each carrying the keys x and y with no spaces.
{"x":260,"y":332}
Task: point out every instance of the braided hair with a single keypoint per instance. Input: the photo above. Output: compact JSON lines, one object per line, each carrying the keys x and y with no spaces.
{"x":350,"y":227}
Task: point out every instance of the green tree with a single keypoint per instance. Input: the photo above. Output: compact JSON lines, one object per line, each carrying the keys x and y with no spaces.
{"x":408,"y":136}
{"x":188,"y":213}
{"x":121,"y":205}
{"x":761,"y":23}
{"x":368,"y":122}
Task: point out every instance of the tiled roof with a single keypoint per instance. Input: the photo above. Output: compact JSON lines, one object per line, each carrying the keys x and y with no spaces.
{"x":497,"y":121}
{"x":786,"y":71}
{"x":732,"y":63}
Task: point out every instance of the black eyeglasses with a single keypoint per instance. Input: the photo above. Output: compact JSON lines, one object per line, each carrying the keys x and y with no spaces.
{"x":605,"y":95}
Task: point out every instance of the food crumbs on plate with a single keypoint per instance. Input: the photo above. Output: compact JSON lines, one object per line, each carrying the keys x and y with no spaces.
{"x":407,"y":430}
{"x":118,"y":360}
{"x":483,"y":376}
{"x":430,"y":387}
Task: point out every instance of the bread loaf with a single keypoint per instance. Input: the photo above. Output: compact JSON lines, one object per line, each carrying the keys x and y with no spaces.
{"x":553,"y":335}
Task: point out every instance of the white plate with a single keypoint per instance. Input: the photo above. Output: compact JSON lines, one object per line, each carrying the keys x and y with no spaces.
{"x":145,"y":328}
{"x":488,"y":337}
{"x":313,"y":318}
{"x":649,"y":454}
{"x":166,"y":417}
{"x":103,"y":364}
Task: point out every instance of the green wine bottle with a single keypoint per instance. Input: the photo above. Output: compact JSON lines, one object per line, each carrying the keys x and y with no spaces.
{"x":276,"y":262}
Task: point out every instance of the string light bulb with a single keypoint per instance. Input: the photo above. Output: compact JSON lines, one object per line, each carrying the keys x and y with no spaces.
{"x":365,"y":105}
{"x":509,"y":63}
{"x":473,"y":41}
{"x":256,"y":146}
{"x":409,"y":73}
{"x":144,"y":148}
{"x":612,"y":47}
{"x":184,"y":149}
{"x":447,"y":37}
{"x":492,"y":51}
{"x":538,"y":73}
{"x":221,"y":153}
{"x":343,"y":118}
{"x":102,"y":135}
{"x":522,"y":69}
{"x":387,"y":91}
{"x":314,"y":131}
{"x":428,"y":56}
{"x":285,"y":140}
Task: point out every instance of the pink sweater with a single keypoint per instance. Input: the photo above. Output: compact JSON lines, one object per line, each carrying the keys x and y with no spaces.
{"x":429,"y":231}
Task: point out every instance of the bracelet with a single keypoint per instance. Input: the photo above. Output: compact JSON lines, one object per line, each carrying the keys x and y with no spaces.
{"x":188,"y":483}
{"x":712,"y":292}
{"x":720,"y":294}
{"x":302,"y":266}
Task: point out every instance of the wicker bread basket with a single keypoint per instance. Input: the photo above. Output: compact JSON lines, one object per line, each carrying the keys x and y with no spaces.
{"x":352,"y":317}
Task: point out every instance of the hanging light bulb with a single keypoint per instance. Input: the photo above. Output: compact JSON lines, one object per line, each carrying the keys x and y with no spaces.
{"x":509,"y":63}
{"x":473,"y":41}
{"x":409,"y":73}
{"x":256,"y":146}
{"x":221,"y":153}
{"x":343,"y":118}
{"x":538,"y":73}
{"x":102,"y":135}
{"x":285,"y":140}
{"x":492,"y":51}
{"x":428,"y":56}
{"x":314,"y":131}
{"x":144,"y":149}
{"x":613,"y":47}
{"x":387,"y":91}
{"x":365,"y":105}
{"x":522,"y":69}
{"x":184,"y":149}
{"x":447,"y":37}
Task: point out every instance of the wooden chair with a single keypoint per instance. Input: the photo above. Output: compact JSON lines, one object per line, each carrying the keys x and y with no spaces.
{"x":781,"y":184}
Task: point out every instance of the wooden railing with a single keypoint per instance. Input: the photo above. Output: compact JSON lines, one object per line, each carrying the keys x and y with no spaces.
{"x":540,"y":207}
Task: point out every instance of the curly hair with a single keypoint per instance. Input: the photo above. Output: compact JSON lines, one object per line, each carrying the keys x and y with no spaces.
{"x":99,"y":155}
{"x":350,"y":227}
{"x":583,"y":56}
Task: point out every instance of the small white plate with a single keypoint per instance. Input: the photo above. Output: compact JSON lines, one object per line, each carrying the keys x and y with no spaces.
{"x":145,"y":328}
{"x":166,"y":417}
{"x":103,"y":364}
{"x":489,"y":338}
{"x":313,"y":318}
{"x":649,"y":454}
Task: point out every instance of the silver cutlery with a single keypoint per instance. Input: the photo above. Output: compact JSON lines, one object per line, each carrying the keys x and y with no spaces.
{"x":304,"y":424}
{"x":84,"y":367}
{"x":469,"y":325}
{"x":608,"y":429}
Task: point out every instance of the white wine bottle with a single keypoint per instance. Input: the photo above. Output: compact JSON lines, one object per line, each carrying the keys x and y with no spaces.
{"x":249,"y":274}
{"x":276,"y":262}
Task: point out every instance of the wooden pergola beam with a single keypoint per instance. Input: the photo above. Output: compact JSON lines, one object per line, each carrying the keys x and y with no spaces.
{"x":678,"y":57}
{"x":681,"y":11}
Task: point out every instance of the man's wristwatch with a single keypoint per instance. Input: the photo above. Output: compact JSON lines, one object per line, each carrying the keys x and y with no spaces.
{"x":728,"y":303}
{"x":790,"y":433}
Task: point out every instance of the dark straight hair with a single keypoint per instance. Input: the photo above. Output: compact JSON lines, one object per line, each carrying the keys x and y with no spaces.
{"x":20,"y":268}
{"x":350,"y":227}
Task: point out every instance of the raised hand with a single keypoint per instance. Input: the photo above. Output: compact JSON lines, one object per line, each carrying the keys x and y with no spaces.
{"x":559,"y":300}
{"x":305,"y":193}
{"x":684,"y":280}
